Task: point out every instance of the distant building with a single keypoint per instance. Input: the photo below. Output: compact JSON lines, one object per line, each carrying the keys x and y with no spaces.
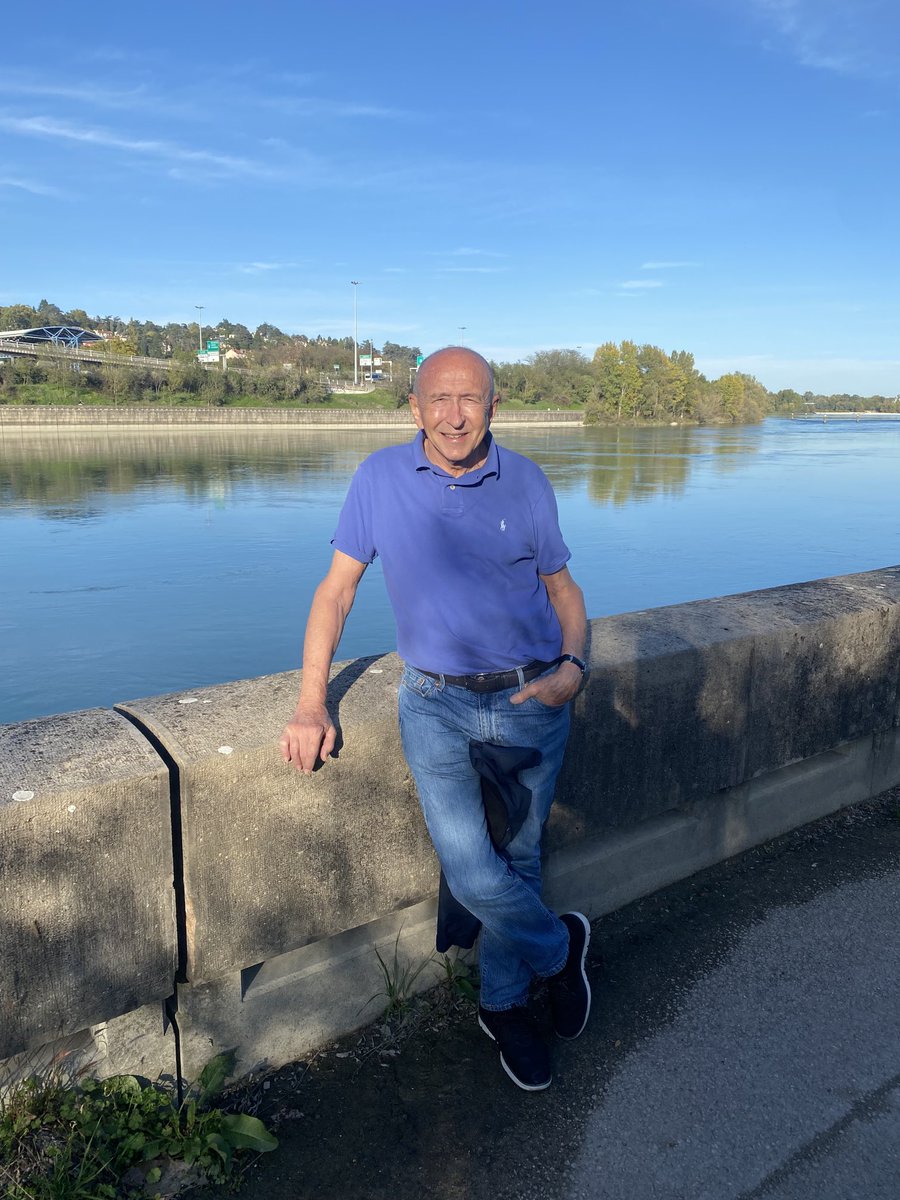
{"x":72,"y":336}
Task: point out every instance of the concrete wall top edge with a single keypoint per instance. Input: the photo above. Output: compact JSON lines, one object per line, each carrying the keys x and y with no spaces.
{"x":72,"y":750}
{"x":648,"y":633}
{"x":212,"y":721}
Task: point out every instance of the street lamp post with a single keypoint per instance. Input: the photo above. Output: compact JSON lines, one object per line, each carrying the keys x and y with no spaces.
{"x":355,"y":283}
{"x":462,"y":330}
{"x":200,"y":308}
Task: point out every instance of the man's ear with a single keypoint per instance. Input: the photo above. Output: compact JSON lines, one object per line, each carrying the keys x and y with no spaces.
{"x":414,"y":409}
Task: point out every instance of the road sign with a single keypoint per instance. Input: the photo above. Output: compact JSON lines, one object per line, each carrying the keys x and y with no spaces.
{"x":210,"y":346}
{"x":420,"y":358}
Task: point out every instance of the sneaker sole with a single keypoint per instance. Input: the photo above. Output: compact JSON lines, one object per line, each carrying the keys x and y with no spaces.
{"x":526,"y":1087}
{"x":570,"y":1037}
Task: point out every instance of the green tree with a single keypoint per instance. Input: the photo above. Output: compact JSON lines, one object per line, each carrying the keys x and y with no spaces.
{"x":77,"y":316}
{"x":607,"y":364}
{"x":18,"y":316}
{"x":49,"y":314}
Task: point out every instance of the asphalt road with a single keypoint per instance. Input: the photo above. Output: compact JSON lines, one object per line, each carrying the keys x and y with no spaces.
{"x":777,"y":1074}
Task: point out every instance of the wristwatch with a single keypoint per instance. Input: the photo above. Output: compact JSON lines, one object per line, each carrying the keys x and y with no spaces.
{"x":579,"y":663}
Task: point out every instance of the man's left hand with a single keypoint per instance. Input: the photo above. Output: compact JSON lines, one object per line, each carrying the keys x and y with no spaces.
{"x":554,"y":690}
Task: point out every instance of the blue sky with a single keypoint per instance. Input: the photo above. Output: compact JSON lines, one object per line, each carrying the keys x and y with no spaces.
{"x":719,"y":176}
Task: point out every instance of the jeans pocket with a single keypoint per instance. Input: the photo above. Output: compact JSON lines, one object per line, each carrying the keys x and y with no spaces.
{"x":542,"y":707}
{"x":422,"y":685}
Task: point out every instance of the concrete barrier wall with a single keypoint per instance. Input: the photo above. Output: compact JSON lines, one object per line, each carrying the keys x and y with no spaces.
{"x":701,"y":729}
{"x":88,"y":915}
{"x":14,"y":416}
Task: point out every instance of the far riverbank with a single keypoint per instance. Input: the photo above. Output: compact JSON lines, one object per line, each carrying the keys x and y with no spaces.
{"x":142,"y":416}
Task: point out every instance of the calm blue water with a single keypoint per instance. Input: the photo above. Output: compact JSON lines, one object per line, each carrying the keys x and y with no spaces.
{"x":135,"y":564}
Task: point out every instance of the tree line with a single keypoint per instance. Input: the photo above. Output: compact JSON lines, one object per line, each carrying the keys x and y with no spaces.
{"x":623,"y":383}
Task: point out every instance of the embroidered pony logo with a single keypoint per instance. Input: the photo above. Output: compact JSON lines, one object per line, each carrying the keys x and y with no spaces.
{"x":502,"y":526}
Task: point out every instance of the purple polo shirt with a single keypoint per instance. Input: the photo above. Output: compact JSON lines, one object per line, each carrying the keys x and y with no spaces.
{"x":461,"y":557}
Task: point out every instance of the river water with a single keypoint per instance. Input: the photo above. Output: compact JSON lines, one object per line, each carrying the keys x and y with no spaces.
{"x":136,"y":563}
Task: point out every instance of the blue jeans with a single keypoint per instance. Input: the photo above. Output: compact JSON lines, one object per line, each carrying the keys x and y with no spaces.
{"x":520,"y":938}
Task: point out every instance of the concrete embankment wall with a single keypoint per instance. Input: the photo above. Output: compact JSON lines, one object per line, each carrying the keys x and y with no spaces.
{"x":701,"y":729}
{"x":38,"y":416}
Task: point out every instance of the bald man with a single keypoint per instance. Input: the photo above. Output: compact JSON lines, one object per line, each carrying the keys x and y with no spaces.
{"x":491,"y":627}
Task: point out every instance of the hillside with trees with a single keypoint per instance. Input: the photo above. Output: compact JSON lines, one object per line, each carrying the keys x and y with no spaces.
{"x":623,"y":383}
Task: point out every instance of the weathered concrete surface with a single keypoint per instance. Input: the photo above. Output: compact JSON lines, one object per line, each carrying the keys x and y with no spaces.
{"x":683,"y":701}
{"x":272,"y":859}
{"x":304,"y":999}
{"x":88,"y":923}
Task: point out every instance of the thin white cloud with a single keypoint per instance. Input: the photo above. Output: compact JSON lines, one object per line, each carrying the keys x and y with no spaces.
{"x":471,"y":270}
{"x":82,"y":94}
{"x":183,"y":101}
{"x":29,"y":185}
{"x":833,"y":35}
{"x":640,"y":284}
{"x":666,"y":266}
{"x":221,"y":164}
{"x":320,"y":106}
{"x":472,"y":252}
{"x":258,"y":268}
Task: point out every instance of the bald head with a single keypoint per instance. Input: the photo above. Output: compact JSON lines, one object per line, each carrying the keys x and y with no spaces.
{"x":451,"y":358}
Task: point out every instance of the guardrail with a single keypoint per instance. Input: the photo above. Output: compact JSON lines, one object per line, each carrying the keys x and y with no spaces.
{"x":80,"y":354}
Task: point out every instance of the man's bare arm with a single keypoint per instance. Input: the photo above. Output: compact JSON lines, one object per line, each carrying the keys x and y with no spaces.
{"x":310,"y":734}
{"x":568,"y":604}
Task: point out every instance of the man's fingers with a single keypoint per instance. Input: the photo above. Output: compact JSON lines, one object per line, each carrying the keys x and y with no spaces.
{"x":328,"y":742}
{"x":304,"y":745}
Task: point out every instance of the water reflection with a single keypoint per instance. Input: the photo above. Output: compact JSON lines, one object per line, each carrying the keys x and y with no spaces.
{"x":625,"y":465}
{"x":60,"y":471}
{"x":63,"y":472}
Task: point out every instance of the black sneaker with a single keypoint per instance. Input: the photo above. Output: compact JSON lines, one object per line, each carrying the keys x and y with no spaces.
{"x":570,"y":992}
{"x":523,"y":1055}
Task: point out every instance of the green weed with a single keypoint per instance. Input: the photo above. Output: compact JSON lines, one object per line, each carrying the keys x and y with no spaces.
{"x":65,"y":1140}
{"x":459,"y":977}
{"x":399,"y":978}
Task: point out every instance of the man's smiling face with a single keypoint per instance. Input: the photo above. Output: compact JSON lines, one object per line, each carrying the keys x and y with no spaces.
{"x":453,"y":408}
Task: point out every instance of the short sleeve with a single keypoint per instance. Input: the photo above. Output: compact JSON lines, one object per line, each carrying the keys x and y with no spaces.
{"x":551,"y":552}
{"x":354,"y":535}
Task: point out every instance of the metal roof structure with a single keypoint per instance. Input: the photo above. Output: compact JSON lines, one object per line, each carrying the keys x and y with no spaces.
{"x":72,"y":336}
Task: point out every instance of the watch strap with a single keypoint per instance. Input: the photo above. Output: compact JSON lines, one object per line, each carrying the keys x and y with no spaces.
{"x":579,"y":663}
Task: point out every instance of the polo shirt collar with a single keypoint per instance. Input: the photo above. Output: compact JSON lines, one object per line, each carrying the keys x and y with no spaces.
{"x":490,"y":466}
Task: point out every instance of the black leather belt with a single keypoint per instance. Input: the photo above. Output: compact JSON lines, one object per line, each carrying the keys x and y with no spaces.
{"x":490,"y":681}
